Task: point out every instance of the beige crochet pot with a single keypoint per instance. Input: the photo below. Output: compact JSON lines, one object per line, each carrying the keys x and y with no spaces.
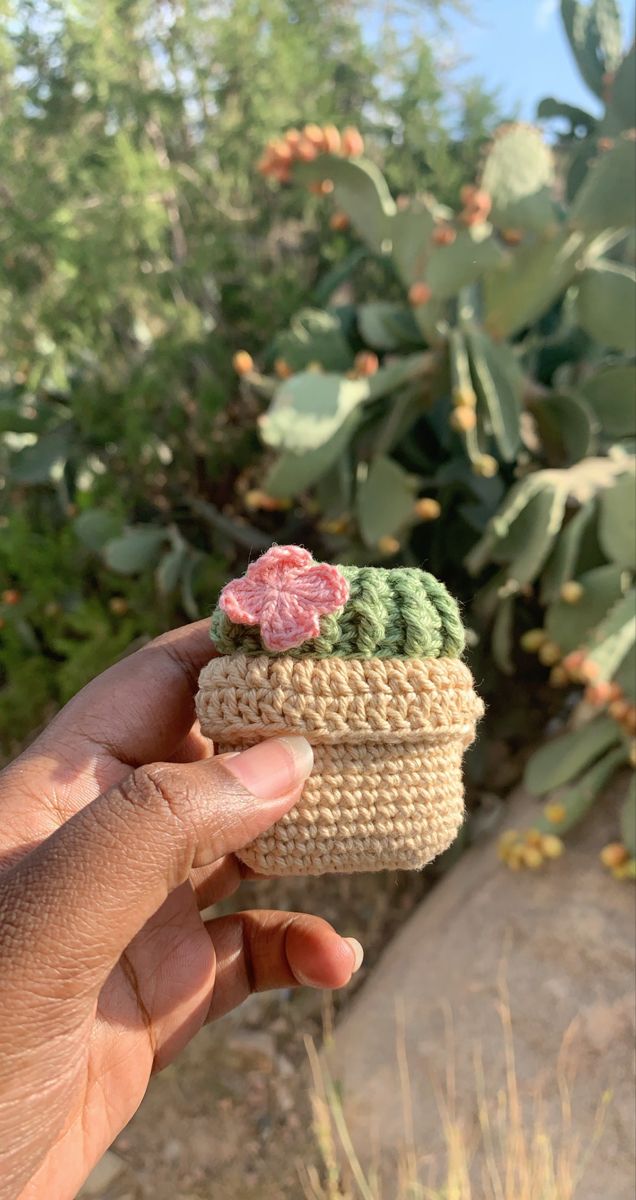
{"x":388,"y":735}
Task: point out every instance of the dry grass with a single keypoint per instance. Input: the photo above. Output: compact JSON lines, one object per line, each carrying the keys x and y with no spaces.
{"x":515,"y":1156}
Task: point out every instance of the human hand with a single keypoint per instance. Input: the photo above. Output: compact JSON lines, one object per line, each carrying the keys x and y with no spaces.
{"x":107,"y":969}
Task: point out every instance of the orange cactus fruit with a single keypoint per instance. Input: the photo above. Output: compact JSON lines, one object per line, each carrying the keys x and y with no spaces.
{"x":243,"y":362}
{"x":315,"y":135}
{"x":321,"y":187}
{"x":428,"y":509}
{"x":573,"y":662}
{"x":306,"y":151}
{"x":339,"y":221}
{"x":598,"y":693}
{"x":352,"y":142}
{"x":613,"y":855}
{"x":332,"y":139}
{"x":366,"y":362}
{"x":292,"y":137}
{"x":462,"y":420}
{"x":618,"y":710}
{"x":11,"y":596}
{"x":282,"y":151}
{"x":388,"y":545}
{"x":419,"y":293}
{"x":282,"y":369}
{"x":512,"y":237}
{"x":444,"y":235}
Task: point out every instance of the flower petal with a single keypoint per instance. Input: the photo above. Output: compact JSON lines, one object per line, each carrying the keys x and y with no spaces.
{"x":276,"y":560}
{"x":286,"y":622}
{"x":322,"y":587}
{"x":242,"y":600}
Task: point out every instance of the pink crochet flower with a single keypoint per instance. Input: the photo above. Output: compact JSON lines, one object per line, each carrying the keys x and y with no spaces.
{"x":286,"y":593}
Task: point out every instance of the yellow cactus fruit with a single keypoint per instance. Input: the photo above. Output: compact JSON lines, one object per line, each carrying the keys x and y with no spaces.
{"x":464,"y":397}
{"x":352,"y":142}
{"x":419,"y":293}
{"x":366,"y":362}
{"x":282,"y":369}
{"x":256,"y":500}
{"x":571,"y":591}
{"x":532,"y":640}
{"x":444,"y":235}
{"x":118,"y":605}
{"x":558,"y":677}
{"x":486,"y":466}
{"x":462,"y":420}
{"x":555,"y":813}
{"x":614,"y":855}
{"x":314,"y":368}
{"x":627,"y":870}
{"x":549,"y":653}
{"x":332,"y":139}
{"x":531,"y":857}
{"x":335,"y":526}
{"x":428,"y":509}
{"x":339,"y":221}
{"x":243,"y":362}
{"x":551,"y":846}
{"x":532,"y":837}
{"x":388,"y":545}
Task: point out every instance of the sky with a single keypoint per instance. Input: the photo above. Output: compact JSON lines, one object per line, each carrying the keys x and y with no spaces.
{"x":519,"y":47}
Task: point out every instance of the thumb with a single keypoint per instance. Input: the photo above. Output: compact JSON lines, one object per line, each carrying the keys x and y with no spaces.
{"x":84,"y":893}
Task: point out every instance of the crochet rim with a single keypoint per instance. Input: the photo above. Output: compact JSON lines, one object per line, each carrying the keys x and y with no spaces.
{"x":244,"y":698}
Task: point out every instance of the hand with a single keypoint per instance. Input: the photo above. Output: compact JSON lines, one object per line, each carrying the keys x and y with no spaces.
{"x":106,"y":966}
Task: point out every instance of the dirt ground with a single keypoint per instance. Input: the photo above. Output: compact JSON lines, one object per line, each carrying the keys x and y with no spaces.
{"x":232,"y":1119}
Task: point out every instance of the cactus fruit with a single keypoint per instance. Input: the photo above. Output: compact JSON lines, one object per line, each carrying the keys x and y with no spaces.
{"x":512,"y":237}
{"x":388,"y":546}
{"x":549,"y":654}
{"x":366,"y":363}
{"x":332,"y":139}
{"x":427,"y":509}
{"x":464,"y":397}
{"x":476,"y":205}
{"x":558,"y":677}
{"x":282,"y":369}
{"x":532,"y":640}
{"x":571,"y":591}
{"x":463,"y":419}
{"x":613,"y":855}
{"x":339,"y":221}
{"x":419,"y":293}
{"x":485,"y":465}
{"x":443,"y":235}
{"x":243,"y":362}
{"x":352,"y":143}
{"x":555,"y":813}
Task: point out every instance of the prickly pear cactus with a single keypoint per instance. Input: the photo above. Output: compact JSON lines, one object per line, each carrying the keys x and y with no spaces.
{"x":477,"y":412}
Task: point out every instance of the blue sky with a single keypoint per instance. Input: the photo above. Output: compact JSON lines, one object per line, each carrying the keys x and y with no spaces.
{"x":519,"y":46}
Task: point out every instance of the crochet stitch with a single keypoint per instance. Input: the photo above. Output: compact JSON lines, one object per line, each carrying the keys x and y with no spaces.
{"x":379,"y":691}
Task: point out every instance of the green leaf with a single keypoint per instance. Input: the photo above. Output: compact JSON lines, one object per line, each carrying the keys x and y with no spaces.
{"x":617,"y":522}
{"x":606,"y":304}
{"x":292,"y":473}
{"x":135,"y":550}
{"x":528,"y":282}
{"x":498,"y":382}
{"x":620,"y":109}
{"x":613,"y":639}
{"x":518,"y":174}
{"x":384,"y":325}
{"x":411,"y":231}
{"x":580,"y":796}
{"x":625,"y":676}
{"x":607,"y":198}
{"x":170,"y":568}
{"x":611,"y":393}
{"x":583,"y":34}
{"x":308,"y":409}
{"x":566,"y":425}
{"x":562,"y":563}
{"x":568,"y":755}
{"x":385,"y":500}
{"x":502,"y":634}
{"x":95,"y":526}
{"x":474,"y":252}
{"x":628,"y":819}
{"x":572,"y":625}
{"x":44,"y":460}
{"x":360,"y":190}
{"x":314,"y":336}
{"x":549,"y":108}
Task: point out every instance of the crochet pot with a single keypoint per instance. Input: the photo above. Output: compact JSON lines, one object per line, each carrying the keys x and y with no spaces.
{"x":378,"y":688}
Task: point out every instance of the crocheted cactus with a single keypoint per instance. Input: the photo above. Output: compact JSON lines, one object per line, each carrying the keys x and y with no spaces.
{"x":365,"y":663}
{"x":399,"y":613}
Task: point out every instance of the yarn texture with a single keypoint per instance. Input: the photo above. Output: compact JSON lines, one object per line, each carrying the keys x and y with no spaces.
{"x":379,"y":690}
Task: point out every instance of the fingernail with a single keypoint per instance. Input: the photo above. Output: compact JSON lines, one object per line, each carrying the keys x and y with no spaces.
{"x":273,"y":768}
{"x":358,"y":952}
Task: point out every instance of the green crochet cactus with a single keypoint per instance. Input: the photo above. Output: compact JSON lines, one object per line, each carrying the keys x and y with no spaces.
{"x":399,"y":613}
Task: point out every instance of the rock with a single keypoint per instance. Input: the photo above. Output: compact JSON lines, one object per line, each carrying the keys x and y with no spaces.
{"x":108,"y":1169}
{"x":556,"y":946}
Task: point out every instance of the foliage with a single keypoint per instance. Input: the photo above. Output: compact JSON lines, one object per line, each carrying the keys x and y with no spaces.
{"x":138,"y":250}
{"x":500,"y":377}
